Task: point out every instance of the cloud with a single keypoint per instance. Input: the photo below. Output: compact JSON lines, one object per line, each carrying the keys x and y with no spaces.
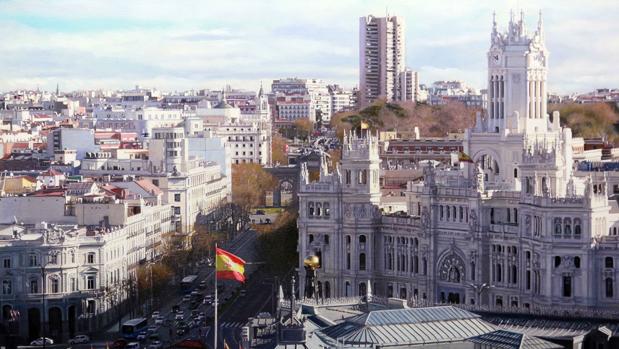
{"x":187,"y":44}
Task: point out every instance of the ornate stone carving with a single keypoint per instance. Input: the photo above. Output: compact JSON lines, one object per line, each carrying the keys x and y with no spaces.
{"x":452,"y":269}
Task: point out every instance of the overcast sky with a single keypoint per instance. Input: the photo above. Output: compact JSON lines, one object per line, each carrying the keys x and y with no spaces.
{"x":177,"y":45}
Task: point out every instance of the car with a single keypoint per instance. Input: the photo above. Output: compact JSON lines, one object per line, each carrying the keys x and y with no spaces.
{"x":202,"y":284}
{"x":120,"y":343}
{"x":79,"y":339}
{"x":180,"y":332}
{"x":194,"y":294}
{"x":141,"y":336}
{"x":133,"y":345}
{"x":186,"y":298}
{"x":42,"y":340}
{"x":155,"y":345}
{"x":155,"y":314}
{"x":179,"y":316}
{"x":154,"y":336}
{"x":159,"y":321}
{"x":152,"y":329}
{"x":243,"y":293}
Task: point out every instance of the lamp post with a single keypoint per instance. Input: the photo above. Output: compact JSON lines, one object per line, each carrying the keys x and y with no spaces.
{"x":479,"y":288}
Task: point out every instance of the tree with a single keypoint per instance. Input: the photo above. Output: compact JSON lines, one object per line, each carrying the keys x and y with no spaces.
{"x":250,"y":182}
{"x":278,"y":246}
{"x":304,"y":127}
{"x":589,"y":120}
{"x":278,"y":150}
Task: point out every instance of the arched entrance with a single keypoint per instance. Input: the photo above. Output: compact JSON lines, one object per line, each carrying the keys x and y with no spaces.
{"x":71,"y":316}
{"x":34,"y":323}
{"x":55,"y":323}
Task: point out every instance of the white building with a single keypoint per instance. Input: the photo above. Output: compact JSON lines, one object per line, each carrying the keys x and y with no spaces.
{"x":301,"y":98}
{"x":517,"y":230}
{"x":381,"y":58}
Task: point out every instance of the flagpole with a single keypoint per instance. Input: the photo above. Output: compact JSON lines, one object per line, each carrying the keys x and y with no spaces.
{"x":216,"y":327}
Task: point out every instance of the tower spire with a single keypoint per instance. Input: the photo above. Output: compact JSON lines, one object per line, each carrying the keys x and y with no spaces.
{"x":540,"y":23}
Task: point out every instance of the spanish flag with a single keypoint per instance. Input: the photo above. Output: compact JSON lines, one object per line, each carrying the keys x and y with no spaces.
{"x":229,"y":266}
{"x":463,"y":157}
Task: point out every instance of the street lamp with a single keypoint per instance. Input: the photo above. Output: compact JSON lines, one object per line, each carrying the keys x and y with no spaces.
{"x":479,"y":288}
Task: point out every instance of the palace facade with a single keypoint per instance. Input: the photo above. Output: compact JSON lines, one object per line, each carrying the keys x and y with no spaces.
{"x":516,"y":228}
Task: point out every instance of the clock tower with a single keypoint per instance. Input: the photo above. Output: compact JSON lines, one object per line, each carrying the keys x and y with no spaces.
{"x":517,"y":73}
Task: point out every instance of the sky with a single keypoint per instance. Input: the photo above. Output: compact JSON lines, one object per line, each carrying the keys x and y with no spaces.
{"x":180,"y":45}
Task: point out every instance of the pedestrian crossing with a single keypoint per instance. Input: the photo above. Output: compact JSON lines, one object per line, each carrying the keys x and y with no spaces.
{"x":236,"y":324}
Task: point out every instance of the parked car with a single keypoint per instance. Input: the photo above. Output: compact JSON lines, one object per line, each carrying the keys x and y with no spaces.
{"x":120,"y":343}
{"x":159,"y":321}
{"x":79,"y":339}
{"x":39,"y":341}
{"x":180,"y":332}
{"x":141,"y":336}
{"x":155,"y":314}
{"x":179,"y":316}
{"x":243,"y":293}
{"x":133,"y":345}
{"x":186,"y":298}
{"x":202,"y":285}
{"x":154,"y":336}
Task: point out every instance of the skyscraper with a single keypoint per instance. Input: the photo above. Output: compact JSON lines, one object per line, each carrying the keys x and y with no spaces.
{"x":381,"y":58}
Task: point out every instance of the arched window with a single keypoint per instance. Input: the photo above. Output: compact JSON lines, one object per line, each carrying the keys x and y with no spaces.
{"x":472,"y":271}
{"x":577,"y":262}
{"x":310,"y":209}
{"x":363,"y":290}
{"x":516,"y":215}
{"x":567,"y":228}
{"x":492,"y":215}
{"x":347,"y":290}
{"x":577,"y":228}
{"x":609,"y":288}
{"x":557,"y":261}
{"x":311,"y":238}
{"x":54,"y":285}
{"x":557,"y":227}
{"x":362,"y":239}
{"x":514,"y":274}
{"x":515,"y":173}
{"x":348,"y":240}
{"x":318,"y":209}
{"x":608,"y":262}
{"x":453,"y":212}
{"x":415,"y":264}
{"x":499,"y":272}
{"x":361,"y":261}
{"x":441,"y":212}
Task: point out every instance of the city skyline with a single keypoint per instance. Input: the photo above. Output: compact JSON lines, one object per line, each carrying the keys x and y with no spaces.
{"x":178,"y":47}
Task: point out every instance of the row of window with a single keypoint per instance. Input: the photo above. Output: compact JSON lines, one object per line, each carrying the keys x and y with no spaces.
{"x":34,"y":259}
{"x":453,"y":213}
{"x":318,"y":209}
{"x":563,"y":228}
{"x":53,"y":285}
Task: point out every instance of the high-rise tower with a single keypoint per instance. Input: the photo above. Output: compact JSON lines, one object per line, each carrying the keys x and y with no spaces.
{"x":381,"y":58}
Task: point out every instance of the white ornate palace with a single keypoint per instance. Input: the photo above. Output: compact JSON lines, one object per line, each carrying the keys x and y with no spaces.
{"x":515,"y":229}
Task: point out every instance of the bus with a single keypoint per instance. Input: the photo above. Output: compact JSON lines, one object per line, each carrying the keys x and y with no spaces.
{"x":133,"y":327}
{"x":188,"y":283}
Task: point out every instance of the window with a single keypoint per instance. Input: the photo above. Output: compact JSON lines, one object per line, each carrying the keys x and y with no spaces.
{"x":7,"y":287}
{"x":557,"y":227}
{"x":311,"y":238}
{"x":327,"y":211}
{"x":34,"y":286}
{"x":609,"y":288}
{"x":567,"y":230}
{"x":33,"y":260}
{"x":441,"y":212}
{"x":6,"y":262}
{"x":348,"y":261}
{"x":310,"y":209}
{"x":73,"y":284}
{"x":528,"y":282}
{"x":499,"y":272}
{"x":72,"y":256}
{"x":557,"y":261}
{"x":567,"y":286}
{"x":177,"y":197}
{"x":362,"y":261}
{"x":362,"y":239}
{"x":492,"y":215}
{"x":608,"y":262}
{"x":90,"y":258}
{"x":326,"y":239}
{"x":514,"y":275}
{"x":515,"y":173}
{"x":348,"y":239}
{"x":55,"y":285}
{"x":90,"y":282}
{"x":577,"y":262}
{"x":53,"y":259}
{"x":577,"y":229}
